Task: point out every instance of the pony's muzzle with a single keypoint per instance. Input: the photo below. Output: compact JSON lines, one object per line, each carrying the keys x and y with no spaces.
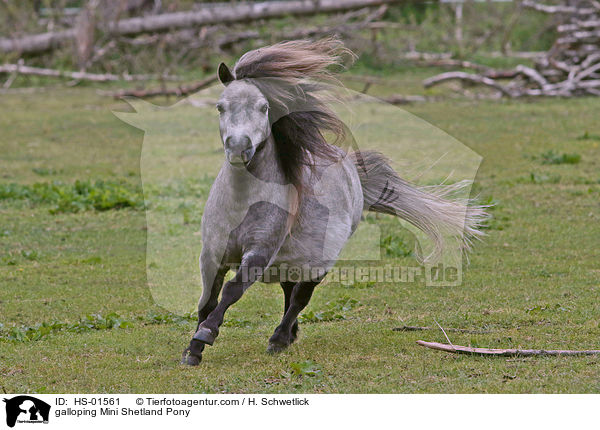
{"x":239,"y":150}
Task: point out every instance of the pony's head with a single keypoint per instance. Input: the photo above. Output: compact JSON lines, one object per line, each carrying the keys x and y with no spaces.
{"x":243,"y":118}
{"x":275,"y":91}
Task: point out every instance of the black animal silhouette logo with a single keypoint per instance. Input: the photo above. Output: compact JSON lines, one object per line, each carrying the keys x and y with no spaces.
{"x":26,"y":409}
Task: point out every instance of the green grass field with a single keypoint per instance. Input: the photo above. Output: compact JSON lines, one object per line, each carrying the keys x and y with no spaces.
{"x":77,"y":314}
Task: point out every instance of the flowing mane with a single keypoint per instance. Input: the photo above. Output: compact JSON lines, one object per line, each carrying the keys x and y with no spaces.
{"x":288,"y":75}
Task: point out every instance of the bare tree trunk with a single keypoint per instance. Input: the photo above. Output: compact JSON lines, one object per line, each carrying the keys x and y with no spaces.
{"x":85,"y":26}
{"x":458,"y":27}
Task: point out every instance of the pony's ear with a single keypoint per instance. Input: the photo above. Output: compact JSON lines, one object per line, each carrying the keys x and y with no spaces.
{"x":224,"y":74}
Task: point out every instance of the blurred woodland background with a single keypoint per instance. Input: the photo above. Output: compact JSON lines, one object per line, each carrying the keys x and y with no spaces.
{"x":515,"y":48}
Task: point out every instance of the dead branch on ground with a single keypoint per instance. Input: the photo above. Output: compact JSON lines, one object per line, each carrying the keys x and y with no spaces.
{"x":457,"y":349}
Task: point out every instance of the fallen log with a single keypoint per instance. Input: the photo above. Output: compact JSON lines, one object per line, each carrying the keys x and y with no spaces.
{"x":180,"y":91}
{"x":457,"y":349}
{"x":79,"y":76}
{"x":207,"y":15}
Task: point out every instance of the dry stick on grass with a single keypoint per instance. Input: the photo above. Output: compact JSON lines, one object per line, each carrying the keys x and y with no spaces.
{"x":443,"y":331}
{"x":457,"y":349}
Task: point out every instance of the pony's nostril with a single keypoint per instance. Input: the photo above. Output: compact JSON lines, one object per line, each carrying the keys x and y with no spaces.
{"x":247,"y":154}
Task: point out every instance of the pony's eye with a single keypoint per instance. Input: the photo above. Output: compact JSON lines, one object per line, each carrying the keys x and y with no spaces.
{"x":264,"y":108}
{"x":220,"y":108}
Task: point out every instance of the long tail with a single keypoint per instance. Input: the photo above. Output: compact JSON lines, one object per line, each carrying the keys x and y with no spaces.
{"x":432,"y":209}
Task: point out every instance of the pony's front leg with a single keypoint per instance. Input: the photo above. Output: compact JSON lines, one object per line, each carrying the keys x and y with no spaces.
{"x":192,"y":355}
{"x":213,"y":297}
{"x":250,"y":270}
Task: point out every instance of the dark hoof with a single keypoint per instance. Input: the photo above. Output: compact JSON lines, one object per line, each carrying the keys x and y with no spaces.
{"x":274,"y":348}
{"x":204,"y":335}
{"x":190,"y":359}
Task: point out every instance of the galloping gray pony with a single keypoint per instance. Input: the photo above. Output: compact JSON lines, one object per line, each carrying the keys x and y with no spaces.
{"x":286,"y":198}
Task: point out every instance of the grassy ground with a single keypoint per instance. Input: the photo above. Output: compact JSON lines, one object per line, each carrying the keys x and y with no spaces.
{"x":534,"y":283}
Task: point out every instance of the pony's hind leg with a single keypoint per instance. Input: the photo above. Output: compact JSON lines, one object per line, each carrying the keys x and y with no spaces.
{"x":286,"y":331}
{"x":287,"y":292}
